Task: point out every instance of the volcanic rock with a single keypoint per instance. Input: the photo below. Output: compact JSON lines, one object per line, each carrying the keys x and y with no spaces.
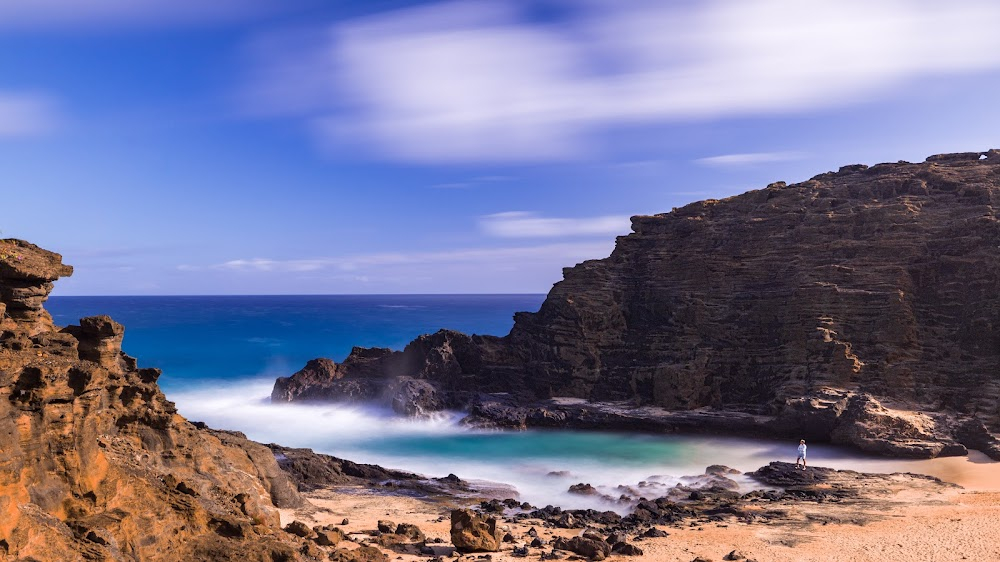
{"x":312,"y":471}
{"x":592,"y":548}
{"x":410,"y":531}
{"x":329,"y":536}
{"x":413,"y":397}
{"x":26,"y":276}
{"x":626,"y":549}
{"x":819,"y":483}
{"x":300,"y":529}
{"x":860,"y":306}
{"x":360,"y":554}
{"x":583,"y":489}
{"x":472,"y":533}
{"x":96,"y":464}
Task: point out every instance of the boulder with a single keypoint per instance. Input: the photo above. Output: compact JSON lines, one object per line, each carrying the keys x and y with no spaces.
{"x":300,"y":529}
{"x":626,"y":549}
{"x":593,"y":548}
{"x":410,"y":532}
{"x":583,"y":489}
{"x":472,"y":533}
{"x":329,"y":536}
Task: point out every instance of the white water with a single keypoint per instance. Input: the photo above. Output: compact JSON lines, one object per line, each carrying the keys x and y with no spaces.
{"x":438,"y":446}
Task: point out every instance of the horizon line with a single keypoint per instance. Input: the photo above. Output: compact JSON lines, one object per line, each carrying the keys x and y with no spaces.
{"x":306,"y":295}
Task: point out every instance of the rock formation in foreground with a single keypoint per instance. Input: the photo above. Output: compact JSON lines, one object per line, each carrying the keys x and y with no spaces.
{"x":861,"y":306}
{"x":96,"y":464}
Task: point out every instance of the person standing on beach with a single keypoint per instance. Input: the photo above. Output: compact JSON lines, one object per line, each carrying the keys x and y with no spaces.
{"x":802,"y":454}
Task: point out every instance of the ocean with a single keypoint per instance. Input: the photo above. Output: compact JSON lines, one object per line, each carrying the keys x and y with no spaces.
{"x":221,"y":354}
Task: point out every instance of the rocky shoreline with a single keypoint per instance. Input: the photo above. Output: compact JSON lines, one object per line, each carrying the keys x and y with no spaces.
{"x":789,"y":498}
{"x":860,"y":307}
{"x":892,"y":348}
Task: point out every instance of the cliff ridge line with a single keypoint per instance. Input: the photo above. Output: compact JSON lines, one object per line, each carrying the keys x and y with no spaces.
{"x":861,"y":306}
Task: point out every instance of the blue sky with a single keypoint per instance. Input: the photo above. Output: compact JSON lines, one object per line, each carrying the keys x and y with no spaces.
{"x":259,"y":146}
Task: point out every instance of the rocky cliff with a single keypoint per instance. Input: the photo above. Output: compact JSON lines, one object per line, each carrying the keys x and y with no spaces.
{"x":861,"y":306}
{"x":96,"y":464}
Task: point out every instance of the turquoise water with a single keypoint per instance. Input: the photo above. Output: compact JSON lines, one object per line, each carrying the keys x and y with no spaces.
{"x":220,"y":356}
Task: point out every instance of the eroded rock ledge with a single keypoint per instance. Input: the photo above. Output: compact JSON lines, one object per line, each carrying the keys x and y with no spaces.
{"x":96,"y":464}
{"x":861,"y":306}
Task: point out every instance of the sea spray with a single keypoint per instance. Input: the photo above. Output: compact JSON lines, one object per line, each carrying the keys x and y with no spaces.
{"x":540,"y":465}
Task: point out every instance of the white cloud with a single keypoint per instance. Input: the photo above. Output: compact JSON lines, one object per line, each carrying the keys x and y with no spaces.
{"x":477,"y":81}
{"x":520,"y":224}
{"x":77,"y":14}
{"x":562,"y":253}
{"x":750,"y":158}
{"x":26,"y":115}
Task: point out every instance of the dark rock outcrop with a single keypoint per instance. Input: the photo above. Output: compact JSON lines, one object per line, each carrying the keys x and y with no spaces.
{"x":312,"y":471}
{"x":858,"y":498}
{"x":848,"y":303}
{"x":818,"y":482}
{"x":96,"y":464}
{"x":593,"y":548}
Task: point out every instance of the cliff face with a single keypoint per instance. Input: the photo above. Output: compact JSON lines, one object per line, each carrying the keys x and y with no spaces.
{"x":881,"y":281}
{"x":96,"y":464}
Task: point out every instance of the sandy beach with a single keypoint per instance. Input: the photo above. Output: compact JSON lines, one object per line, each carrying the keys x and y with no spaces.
{"x":913,"y":524}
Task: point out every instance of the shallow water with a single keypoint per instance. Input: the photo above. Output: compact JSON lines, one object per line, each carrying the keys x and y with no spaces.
{"x":648,"y":463}
{"x":221,"y":355}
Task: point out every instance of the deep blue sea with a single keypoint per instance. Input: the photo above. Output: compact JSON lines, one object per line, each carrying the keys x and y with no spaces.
{"x":206,"y":339}
{"x":221,"y":354}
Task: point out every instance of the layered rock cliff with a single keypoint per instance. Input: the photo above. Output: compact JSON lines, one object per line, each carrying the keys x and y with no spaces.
{"x":96,"y":464}
{"x":855,"y":306}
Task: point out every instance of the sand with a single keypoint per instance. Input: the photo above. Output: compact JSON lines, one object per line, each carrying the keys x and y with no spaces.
{"x":912,"y":525}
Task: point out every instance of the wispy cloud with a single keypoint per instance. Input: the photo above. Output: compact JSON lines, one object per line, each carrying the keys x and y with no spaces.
{"x":470,"y":81}
{"x":26,"y":114}
{"x":750,"y":158}
{"x":521,"y":224}
{"x":562,"y":253}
